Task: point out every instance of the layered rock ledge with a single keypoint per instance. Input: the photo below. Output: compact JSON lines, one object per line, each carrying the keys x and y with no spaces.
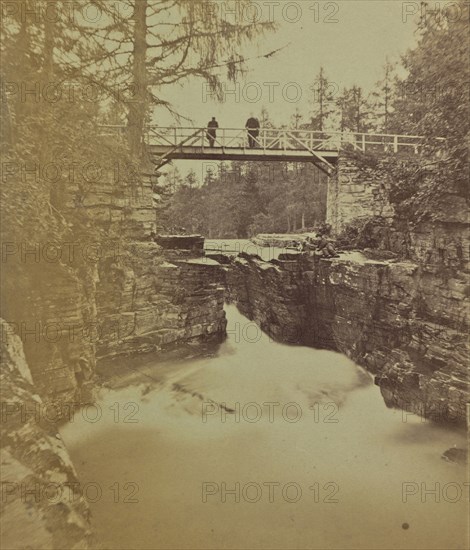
{"x":406,"y":325}
{"x":168,"y":295}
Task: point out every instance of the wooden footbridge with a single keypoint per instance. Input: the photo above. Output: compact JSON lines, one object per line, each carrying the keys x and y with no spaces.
{"x":165,"y":144}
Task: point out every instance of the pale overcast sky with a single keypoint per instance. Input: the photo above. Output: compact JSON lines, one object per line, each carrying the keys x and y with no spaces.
{"x":350,"y":38}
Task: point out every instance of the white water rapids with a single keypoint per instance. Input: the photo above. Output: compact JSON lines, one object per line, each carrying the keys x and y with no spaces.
{"x":310,"y":457}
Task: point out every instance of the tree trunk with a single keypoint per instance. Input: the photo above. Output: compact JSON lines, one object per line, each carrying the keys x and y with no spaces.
{"x":48,"y":67}
{"x":46,"y":78}
{"x":6,"y":138}
{"x":138,"y":107}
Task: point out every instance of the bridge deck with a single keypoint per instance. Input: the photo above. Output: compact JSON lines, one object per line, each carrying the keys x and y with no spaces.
{"x":237,"y":153}
{"x":271,"y":144}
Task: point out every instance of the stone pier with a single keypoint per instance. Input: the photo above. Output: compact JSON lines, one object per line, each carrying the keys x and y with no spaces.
{"x":355,"y":193}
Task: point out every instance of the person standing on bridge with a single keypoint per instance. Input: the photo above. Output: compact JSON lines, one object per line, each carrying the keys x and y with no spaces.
{"x":252,"y":125}
{"x":211,"y":131}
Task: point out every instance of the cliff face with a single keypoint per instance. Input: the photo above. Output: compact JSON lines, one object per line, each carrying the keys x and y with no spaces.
{"x":431,"y":229}
{"x":107,"y":289}
{"x":404,"y":324}
{"x":159,"y":302}
{"x":40,"y":489}
{"x":48,"y":305}
{"x":148,"y":296}
{"x":407,"y":320}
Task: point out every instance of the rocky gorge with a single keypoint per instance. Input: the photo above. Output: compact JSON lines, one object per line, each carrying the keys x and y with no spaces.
{"x":399,"y":312}
{"x":382,"y":314}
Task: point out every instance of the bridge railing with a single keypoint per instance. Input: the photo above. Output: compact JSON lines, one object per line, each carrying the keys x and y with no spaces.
{"x":177,"y":138}
{"x":280,"y":139}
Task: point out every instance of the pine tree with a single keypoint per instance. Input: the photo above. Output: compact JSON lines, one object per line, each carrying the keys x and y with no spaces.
{"x":323,"y":101}
{"x":296,"y":119}
{"x":384,"y":97}
{"x":433,"y":101}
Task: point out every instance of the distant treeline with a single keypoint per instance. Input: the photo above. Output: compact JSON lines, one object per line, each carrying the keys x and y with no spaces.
{"x":431,"y":100}
{"x":243,"y":199}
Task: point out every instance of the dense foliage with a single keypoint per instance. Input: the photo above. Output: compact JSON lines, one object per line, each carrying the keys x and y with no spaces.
{"x":431,"y":100}
{"x":242,"y":200}
{"x":434,"y":101}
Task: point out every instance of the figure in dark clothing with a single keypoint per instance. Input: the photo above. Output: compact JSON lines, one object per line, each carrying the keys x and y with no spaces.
{"x":326,"y":248}
{"x":211,"y":131}
{"x":252,"y":125}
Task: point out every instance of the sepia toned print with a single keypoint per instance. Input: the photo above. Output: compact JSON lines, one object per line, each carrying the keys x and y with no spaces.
{"x":235,"y":274}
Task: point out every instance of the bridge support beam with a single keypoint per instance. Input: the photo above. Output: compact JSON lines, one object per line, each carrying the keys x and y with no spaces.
{"x":354,"y":193}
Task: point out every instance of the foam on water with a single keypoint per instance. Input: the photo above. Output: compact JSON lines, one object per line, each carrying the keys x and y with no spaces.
{"x":349,"y":454}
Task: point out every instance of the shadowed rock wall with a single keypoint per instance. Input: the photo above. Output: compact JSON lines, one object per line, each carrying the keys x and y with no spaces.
{"x":405,"y":325}
{"x":42,"y":502}
{"x":158,"y":303}
{"x":109,"y":290}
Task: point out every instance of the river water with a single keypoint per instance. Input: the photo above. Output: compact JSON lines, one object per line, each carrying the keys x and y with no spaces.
{"x":263,"y":445}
